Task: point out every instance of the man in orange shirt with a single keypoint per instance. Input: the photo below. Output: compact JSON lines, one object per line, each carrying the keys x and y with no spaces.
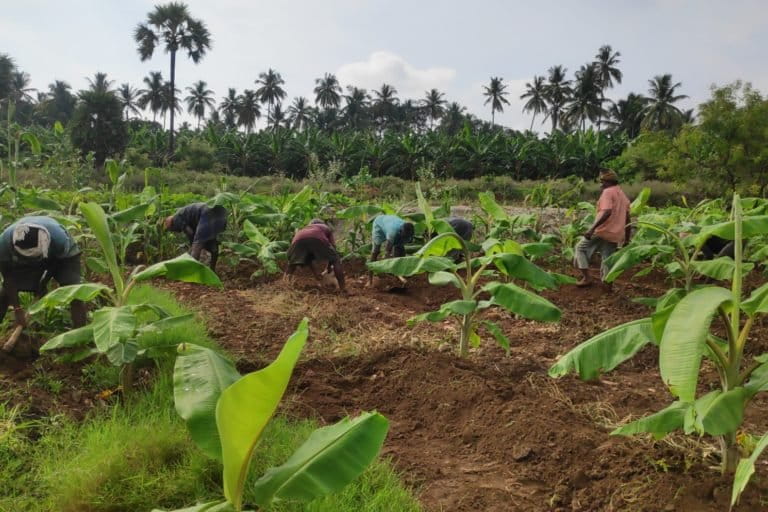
{"x":610,"y":229}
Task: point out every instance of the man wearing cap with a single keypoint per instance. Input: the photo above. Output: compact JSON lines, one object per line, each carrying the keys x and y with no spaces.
{"x":202,"y":225}
{"x":313,"y":246}
{"x":33,"y":251}
{"x":611,"y":227}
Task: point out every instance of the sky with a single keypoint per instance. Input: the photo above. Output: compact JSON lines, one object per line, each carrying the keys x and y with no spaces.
{"x":454,"y":46}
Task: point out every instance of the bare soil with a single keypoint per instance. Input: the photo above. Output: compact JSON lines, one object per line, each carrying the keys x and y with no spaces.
{"x":490,"y":432}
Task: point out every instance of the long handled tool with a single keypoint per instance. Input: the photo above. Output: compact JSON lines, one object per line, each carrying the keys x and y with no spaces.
{"x":9,"y":345}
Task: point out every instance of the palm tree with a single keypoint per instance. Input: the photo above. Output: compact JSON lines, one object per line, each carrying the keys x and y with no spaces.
{"x":7,"y":68}
{"x":152,"y":96}
{"x":385,"y":104}
{"x":229,"y":107}
{"x":585,"y":104}
{"x":606,"y":62}
{"x":170,"y":101}
{"x":557,"y":93}
{"x":328,"y":91}
{"x":434,"y":103}
{"x":626,"y":115}
{"x":171,"y":24}
{"x":356,"y":108}
{"x":270,"y":89}
{"x":100,"y":84}
{"x":277,"y":116}
{"x":129,"y":98}
{"x":248,"y":110}
{"x":660,"y":113}
{"x":61,"y":103}
{"x":299,"y":113}
{"x":20,"y":89}
{"x":454,"y":118}
{"x":199,"y":99}
{"x":535,"y":92}
{"x":495,"y":94}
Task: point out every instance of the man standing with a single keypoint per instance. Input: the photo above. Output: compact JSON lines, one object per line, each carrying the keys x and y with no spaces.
{"x":202,"y":225}
{"x":314,"y":246}
{"x":33,"y":251}
{"x":611,"y":227}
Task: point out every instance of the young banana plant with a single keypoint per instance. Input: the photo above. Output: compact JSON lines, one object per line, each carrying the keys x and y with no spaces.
{"x":682,"y":326}
{"x":259,"y":248}
{"x":117,"y":328}
{"x":474,"y":279}
{"x":226,"y":415}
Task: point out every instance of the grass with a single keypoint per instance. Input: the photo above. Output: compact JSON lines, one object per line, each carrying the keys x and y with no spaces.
{"x":137,"y":456}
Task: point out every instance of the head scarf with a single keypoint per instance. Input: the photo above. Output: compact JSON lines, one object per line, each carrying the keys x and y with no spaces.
{"x":24,"y":244}
{"x":609,"y":175}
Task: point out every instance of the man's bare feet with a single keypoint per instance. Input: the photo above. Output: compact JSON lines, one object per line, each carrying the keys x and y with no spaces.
{"x":583,"y":283}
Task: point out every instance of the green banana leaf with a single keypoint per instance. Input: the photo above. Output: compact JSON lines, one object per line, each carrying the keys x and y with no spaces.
{"x":111,"y":325}
{"x":516,"y":266}
{"x":658,"y":424}
{"x":359,"y":211}
{"x":245,"y":408}
{"x":411,"y":265}
{"x":606,"y":351}
{"x":441,"y":245}
{"x":719,"y":413}
{"x":200,"y":375}
{"x":757,"y":301}
{"x":522,"y":302}
{"x":721,"y":268}
{"x":63,"y":295}
{"x":182,"y":268}
{"x":750,"y":226}
{"x":684,"y":340}
{"x":213,"y":506}
{"x":97,"y":221}
{"x":330,"y":459}
{"x":133,"y":213}
{"x":455,"y":307}
{"x":442,"y":278}
{"x":746,"y":469}
{"x":491,"y":207}
{"x":498,"y":334}
{"x":73,"y":338}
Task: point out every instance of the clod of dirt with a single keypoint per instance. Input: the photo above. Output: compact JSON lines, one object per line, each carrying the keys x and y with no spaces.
{"x":521,"y":452}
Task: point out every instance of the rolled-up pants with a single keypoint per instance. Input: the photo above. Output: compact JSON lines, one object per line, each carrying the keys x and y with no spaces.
{"x":587,"y":247}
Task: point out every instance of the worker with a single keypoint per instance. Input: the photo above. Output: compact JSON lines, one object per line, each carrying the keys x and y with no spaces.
{"x":202,"y":225}
{"x":314,"y":246}
{"x":33,"y":251}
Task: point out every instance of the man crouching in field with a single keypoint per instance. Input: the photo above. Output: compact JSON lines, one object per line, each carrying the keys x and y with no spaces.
{"x":314,"y":247}
{"x":202,"y":225}
{"x":611,"y":227}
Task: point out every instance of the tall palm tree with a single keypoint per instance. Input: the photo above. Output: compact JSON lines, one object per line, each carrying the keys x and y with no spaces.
{"x":129,"y":98}
{"x":61,"y":102}
{"x":99,"y":83}
{"x":356,"y":108}
{"x":585,"y":104}
{"x":434,"y":104}
{"x":557,"y":93}
{"x":626,"y":115}
{"x":606,"y":62}
{"x":7,"y":68}
{"x":495,"y":93}
{"x":328,"y":91}
{"x":20,"y":89}
{"x":385,"y":104}
{"x":248,"y":110}
{"x":270,"y":89}
{"x":277,"y":117}
{"x":229,"y":107}
{"x":661,"y":113}
{"x":199,"y":99}
{"x":299,"y":113}
{"x":152,"y":96}
{"x":535,"y":92}
{"x":171,"y":25}
{"x":454,"y":118}
{"x":170,"y":101}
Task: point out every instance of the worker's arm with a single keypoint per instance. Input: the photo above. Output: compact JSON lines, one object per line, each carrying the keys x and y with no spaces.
{"x":602,"y":216}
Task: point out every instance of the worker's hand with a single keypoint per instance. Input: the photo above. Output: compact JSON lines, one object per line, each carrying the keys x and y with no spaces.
{"x":589,"y":234}
{"x":20,"y":315}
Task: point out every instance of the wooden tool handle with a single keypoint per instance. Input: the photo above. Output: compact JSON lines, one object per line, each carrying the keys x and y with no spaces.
{"x":14,"y":338}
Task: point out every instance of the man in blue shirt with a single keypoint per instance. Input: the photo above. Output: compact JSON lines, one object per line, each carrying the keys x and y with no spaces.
{"x":202,"y":225}
{"x":33,"y":251}
{"x":392,"y":231}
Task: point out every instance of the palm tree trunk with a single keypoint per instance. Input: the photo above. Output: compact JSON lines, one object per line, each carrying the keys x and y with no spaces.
{"x":173,"y":101}
{"x":532,"y":120}
{"x":600,"y":112}
{"x":493,"y":116}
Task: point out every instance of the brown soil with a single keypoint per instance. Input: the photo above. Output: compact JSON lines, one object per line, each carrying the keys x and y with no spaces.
{"x":490,"y":432}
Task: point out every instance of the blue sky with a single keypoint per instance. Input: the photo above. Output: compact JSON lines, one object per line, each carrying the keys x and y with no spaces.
{"x":413,"y":45}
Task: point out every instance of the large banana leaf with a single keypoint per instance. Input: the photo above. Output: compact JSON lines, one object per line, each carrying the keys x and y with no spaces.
{"x":640,"y":201}
{"x":182,"y":268}
{"x":329,"y":460}
{"x":411,"y":265}
{"x":111,"y":325}
{"x":522,"y":302}
{"x":73,"y":338}
{"x":757,"y":302}
{"x":245,"y":408}
{"x":359,"y":211}
{"x":658,"y":424}
{"x":491,"y":207}
{"x":719,"y":268}
{"x":133,"y":213}
{"x":719,"y":413}
{"x":606,"y":351}
{"x":442,"y":278}
{"x":424,"y":206}
{"x":200,"y":375}
{"x":758,"y":380}
{"x":746,"y":469}
{"x":684,"y":339}
{"x":253,"y":233}
{"x":97,"y":221}
{"x":63,"y":295}
{"x":441,"y":245}
{"x":516,"y":266}
{"x":123,"y":352}
{"x":750,"y":226}
{"x":455,"y":307}
{"x":631,"y":255}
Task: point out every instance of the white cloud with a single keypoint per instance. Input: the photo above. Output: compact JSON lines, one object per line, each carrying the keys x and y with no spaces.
{"x":386,"y":67}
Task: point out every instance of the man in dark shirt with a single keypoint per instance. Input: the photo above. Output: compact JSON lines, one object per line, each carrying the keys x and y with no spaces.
{"x":314,"y":246}
{"x":202,"y":225}
{"x":33,"y":251}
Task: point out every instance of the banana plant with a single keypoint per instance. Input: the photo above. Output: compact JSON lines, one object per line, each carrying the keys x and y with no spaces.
{"x":475,"y":281}
{"x":358,"y":218}
{"x":226,"y":414}
{"x":259,"y":249}
{"x":683,"y":329}
{"x":116,"y":328}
